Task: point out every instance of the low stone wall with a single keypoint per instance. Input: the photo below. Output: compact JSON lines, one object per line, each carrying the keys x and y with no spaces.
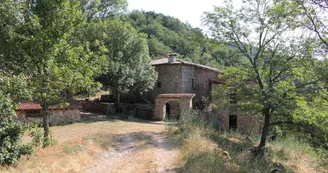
{"x":64,"y":116}
{"x":56,"y":116}
{"x":99,"y":107}
{"x":136,"y":110}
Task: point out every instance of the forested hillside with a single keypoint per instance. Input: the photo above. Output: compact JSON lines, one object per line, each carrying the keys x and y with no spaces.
{"x":167,"y":34}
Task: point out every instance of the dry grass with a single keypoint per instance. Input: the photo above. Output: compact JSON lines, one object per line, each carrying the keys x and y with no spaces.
{"x":206,"y":150}
{"x":78,"y":146}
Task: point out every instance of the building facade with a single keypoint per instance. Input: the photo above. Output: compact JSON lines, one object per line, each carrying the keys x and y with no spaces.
{"x":184,"y":85}
{"x":176,"y":78}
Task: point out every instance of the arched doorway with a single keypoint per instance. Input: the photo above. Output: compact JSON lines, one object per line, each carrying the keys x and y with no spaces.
{"x":177,"y":103}
{"x":173,"y":110}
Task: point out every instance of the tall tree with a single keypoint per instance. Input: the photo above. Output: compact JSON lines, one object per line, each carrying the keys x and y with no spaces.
{"x":128,"y":60}
{"x":102,"y":9}
{"x":313,"y":16}
{"x":273,"y":80}
{"x":54,"y":64}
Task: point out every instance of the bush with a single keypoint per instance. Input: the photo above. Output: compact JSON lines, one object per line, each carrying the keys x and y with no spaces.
{"x":11,"y":147}
{"x":36,"y":134}
{"x":193,"y":122}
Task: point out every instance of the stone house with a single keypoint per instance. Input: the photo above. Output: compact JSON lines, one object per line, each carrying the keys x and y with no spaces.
{"x":182,"y":85}
{"x":30,"y":111}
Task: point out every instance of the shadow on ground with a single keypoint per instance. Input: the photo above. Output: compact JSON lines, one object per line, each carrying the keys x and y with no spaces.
{"x":88,"y":117}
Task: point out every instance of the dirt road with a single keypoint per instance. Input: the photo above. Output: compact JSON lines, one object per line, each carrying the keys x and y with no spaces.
{"x":101,"y":144}
{"x":138,"y":147}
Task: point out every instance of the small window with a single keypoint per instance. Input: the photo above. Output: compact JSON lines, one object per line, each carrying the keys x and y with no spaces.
{"x":193,"y":84}
{"x":232,"y":122}
{"x":159,"y":84}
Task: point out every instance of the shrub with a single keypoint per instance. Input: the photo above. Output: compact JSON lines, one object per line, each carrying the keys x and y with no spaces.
{"x":11,"y":147}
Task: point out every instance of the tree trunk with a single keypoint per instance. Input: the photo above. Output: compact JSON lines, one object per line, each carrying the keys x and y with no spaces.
{"x":265,"y":129}
{"x":45,"y":112}
{"x":118,"y":103}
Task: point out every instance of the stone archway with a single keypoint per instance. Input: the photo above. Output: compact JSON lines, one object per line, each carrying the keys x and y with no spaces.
{"x":185,"y":101}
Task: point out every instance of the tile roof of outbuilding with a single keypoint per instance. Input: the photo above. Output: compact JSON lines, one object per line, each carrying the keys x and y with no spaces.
{"x":28,"y":105}
{"x":32,"y":105}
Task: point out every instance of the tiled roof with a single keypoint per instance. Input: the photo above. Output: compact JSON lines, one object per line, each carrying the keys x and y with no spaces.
{"x":179,"y":96}
{"x":163,"y":61}
{"x":32,"y":105}
{"x":28,"y":105}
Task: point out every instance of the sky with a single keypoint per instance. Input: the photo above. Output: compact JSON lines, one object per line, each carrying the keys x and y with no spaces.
{"x":186,"y":10}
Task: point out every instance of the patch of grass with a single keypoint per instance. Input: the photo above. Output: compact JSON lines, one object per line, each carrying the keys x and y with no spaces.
{"x":204,"y":162}
{"x":70,"y":149}
{"x":103,"y":139}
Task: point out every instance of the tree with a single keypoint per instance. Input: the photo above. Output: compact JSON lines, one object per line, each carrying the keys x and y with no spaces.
{"x":54,"y":64}
{"x":313,"y":17}
{"x":275,"y":79}
{"x":128,"y":60}
{"x":102,"y":8}
{"x":166,"y":34}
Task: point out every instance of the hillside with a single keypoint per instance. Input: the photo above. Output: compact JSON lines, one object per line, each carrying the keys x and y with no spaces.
{"x":167,"y":34}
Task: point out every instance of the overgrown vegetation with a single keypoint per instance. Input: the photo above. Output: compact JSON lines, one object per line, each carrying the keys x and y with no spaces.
{"x":207,"y":149}
{"x":11,"y":147}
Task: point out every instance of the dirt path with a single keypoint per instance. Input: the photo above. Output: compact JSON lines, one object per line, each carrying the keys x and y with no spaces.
{"x":146,"y":149}
{"x":101,"y":144}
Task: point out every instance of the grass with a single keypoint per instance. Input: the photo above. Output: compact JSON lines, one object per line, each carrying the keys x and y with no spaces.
{"x":204,"y":149}
{"x":79,"y":145}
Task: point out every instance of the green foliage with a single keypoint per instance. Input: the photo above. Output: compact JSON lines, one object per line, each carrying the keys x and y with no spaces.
{"x":127,"y":58}
{"x":11,"y":132}
{"x":11,"y":147}
{"x":102,"y":8}
{"x":49,"y":141}
{"x":312,"y":17}
{"x":166,"y":34}
{"x":192,"y":122}
{"x":48,"y":51}
{"x":279,"y":78}
{"x":36,"y":134}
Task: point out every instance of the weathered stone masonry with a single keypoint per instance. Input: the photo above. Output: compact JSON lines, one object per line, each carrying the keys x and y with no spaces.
{"x":185,"y":101}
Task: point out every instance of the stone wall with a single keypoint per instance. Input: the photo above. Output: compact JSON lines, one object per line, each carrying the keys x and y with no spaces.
{"x":170,"y":78}
{"x":129,"y":109}
{"x":188,"y":77}
{"x":203,"y":87}
{"x":160,"y":106}
{"x":245,"y":123}
{"x":56,"y":116}
{"x":99,"y":107}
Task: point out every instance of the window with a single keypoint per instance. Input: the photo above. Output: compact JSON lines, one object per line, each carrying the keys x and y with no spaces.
{"x":232,"y":122}
{"x":159,"y":84}
{"x":193,"y":84}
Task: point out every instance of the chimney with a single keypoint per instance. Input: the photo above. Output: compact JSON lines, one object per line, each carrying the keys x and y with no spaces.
{"x":172,"y":57}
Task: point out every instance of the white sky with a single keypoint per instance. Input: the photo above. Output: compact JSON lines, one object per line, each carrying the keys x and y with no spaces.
{"x":186,"y":10}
